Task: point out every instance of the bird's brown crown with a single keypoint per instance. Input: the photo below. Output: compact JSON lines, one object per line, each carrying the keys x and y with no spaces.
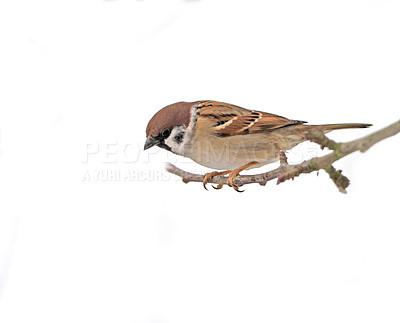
{"x":172,"y":115}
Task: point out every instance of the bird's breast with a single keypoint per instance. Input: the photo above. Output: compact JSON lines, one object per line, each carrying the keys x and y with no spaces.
{"x":231,"y":152}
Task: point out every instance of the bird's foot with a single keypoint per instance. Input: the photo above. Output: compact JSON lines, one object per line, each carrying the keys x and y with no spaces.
{"x":235,"y":173}
{"x":209,"y":176}
{"x":231,"y":179}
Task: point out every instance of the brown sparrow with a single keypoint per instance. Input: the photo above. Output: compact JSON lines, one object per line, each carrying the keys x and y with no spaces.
{"x":224,"y":136}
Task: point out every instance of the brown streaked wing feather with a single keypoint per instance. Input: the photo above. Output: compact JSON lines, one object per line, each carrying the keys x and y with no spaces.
{"x":228,"y":119}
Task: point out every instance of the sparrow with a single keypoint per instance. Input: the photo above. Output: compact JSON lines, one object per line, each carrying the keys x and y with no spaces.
{"x":226,"y":137}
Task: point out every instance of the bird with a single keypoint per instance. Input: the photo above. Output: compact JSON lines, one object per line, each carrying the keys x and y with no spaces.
{"x":226,"y":137}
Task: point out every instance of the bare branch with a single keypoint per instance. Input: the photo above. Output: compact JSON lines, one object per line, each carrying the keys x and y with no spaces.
{"x":286,"y":171}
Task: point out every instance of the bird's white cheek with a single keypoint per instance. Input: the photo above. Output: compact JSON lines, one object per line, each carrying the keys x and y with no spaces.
{"x":176,"y":141}
{"x":172,"y":144}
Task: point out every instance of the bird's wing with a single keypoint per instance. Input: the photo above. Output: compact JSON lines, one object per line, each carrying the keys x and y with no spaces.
{"x":228,"y":120}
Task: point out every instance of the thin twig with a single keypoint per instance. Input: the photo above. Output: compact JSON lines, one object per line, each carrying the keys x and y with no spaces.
{"x":286,"y":171}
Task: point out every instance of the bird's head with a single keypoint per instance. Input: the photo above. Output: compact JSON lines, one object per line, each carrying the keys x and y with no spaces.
{"x":167,"y":128}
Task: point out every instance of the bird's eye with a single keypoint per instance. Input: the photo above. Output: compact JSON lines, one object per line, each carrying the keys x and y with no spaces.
{"x":165,"y":133}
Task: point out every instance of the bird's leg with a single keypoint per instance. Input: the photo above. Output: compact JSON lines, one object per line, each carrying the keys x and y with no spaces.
{"x":235,"y":173}
{"x":209,"y":176}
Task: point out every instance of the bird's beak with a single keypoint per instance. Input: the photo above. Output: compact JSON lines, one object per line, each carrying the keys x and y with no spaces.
{"x":150,"y":142}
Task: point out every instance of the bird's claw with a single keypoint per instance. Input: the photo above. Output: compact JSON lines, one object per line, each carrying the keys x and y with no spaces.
{"x":209,"y":176}
{"x":230,"y":182}
{"x":231,"y":179}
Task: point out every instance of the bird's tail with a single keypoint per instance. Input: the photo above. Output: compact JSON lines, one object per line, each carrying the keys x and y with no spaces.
{"x":330,"y":127}
{"x":298,"y":133}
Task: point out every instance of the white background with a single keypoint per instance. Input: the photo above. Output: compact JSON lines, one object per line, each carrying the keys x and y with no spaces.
{"x":92,"y":229}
